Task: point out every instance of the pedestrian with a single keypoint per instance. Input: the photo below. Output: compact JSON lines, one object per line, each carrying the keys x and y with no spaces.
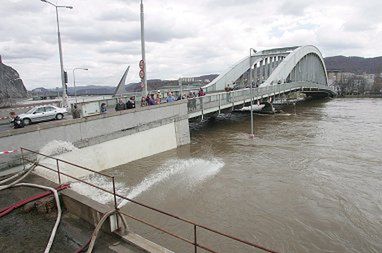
{"x":131,"y":103}
{"x":170,"y":98}
{"x":103,"y":108}
{"x":17,"y":121}
{"x":143,"y":101}
{"x":201,"y":92}
{"x":159,"y":95}
{"x":120,"y":105}
{"x":151,"y":100}
{"x":158,"y":98}
{"x":191,"y":100}
{"x":76,"y":112}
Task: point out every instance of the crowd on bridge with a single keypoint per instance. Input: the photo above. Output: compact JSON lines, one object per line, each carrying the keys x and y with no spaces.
{"x":154,"y":99}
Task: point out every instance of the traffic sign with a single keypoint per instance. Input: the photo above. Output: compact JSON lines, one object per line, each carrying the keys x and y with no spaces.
{"x":141,"y":64}
{"x":141,"y":74}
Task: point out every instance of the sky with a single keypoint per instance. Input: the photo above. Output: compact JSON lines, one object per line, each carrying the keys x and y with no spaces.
{"x":183,"y":38}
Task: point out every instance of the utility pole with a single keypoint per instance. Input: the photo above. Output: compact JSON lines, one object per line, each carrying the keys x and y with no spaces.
{"x":144,"y":76}
{"x":251,"y":89}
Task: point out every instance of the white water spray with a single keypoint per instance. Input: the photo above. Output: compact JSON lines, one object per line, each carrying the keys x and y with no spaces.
{"x":96,"y":194}
{"x":195,"y":170}
{"x":57,"y":148}
{"x":52,"y":148}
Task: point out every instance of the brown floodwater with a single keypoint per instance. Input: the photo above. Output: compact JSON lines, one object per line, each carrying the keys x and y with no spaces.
{"x":310,"y":181}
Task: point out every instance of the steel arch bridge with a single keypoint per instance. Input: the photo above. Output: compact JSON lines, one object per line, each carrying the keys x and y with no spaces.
{"x":275,"y":66}
{"x":274,"y":72}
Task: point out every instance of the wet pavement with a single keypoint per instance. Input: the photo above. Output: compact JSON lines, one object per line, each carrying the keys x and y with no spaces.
{"x":29,"y":231}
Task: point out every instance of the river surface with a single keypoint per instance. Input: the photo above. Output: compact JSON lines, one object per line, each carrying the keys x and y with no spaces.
{"x":310,"y":181}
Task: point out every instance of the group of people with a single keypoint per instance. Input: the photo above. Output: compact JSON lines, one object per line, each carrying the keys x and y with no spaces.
{"x":120,"y":106}
{"x":151,"y":99}
{"x":156,"y":98}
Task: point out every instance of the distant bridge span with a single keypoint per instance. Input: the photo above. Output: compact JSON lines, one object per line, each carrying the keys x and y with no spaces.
{"x":274,"y":72}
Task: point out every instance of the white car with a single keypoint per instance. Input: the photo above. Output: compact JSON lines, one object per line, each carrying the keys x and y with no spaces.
{"x":42,"y":113}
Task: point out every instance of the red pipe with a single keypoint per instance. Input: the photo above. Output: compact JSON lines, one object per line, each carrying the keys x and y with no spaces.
{"x":12,"y":207}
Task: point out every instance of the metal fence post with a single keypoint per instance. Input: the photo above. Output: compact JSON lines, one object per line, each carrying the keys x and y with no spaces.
{"x":115,"y":202}
{"x":22,"y":156}
{"x":58,"y":172}
{"x":195,"y":240}
{"x":220,"y":102}
{"x":115,"y":196}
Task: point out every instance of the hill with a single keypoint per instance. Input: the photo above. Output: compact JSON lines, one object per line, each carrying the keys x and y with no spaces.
{"x":11,"y":85}
{"x":354,"y":64}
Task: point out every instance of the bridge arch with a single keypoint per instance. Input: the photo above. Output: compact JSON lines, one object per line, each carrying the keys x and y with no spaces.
{"x":303,"y":64}
{"x":274,"y":66}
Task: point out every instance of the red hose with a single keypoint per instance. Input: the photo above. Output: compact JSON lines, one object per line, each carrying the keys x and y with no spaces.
{"x":12,"y":207}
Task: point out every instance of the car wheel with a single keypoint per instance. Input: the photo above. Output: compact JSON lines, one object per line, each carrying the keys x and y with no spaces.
{"x":59,"y":116}
{"x":27,"y":121}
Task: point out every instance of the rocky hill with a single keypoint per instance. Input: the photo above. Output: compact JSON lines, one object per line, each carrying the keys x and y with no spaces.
{"x":11,"y":86}
{"x":155,"y":84}
{"x":357,"y":65}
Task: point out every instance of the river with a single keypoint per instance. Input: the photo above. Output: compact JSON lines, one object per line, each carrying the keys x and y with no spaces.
{"x":310,"y":181}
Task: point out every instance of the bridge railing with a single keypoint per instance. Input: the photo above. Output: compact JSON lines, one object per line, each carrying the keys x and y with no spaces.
{"x":232,"y":98}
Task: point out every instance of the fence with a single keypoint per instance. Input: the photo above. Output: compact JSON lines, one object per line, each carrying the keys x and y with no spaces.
{"x":223,"y":100}
{"x":195,"y":226}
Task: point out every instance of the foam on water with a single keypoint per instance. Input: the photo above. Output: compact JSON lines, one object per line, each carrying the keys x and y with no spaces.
{"x":195,"y":170}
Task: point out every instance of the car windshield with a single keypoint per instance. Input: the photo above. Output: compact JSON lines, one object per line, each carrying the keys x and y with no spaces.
{"x":31,"y":110}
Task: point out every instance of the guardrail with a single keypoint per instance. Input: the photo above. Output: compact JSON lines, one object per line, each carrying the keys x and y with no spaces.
{"x":222,"y":100}
{"x":93,"y":107}
{"x":195,"y":226}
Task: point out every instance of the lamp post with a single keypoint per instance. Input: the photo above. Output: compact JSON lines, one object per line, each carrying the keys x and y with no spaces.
{"x":144,"y":77}
{"x":180,"y":87}
{"x":64,"y":95}
{"x":251,"y":88}
{"x":74,"y":82}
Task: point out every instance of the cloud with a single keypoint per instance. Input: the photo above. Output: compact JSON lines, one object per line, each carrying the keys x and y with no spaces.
{"x":183,"y":38}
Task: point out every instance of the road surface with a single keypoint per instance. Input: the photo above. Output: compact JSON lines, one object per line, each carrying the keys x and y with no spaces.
{"x":4,"y":126}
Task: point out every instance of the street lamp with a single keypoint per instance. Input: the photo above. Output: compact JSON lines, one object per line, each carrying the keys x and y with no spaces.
{"x":64,"y":95}
{"x":251,"y":88}
{"x":74,"y":82}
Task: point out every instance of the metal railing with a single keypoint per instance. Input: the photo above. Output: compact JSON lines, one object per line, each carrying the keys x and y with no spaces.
{"x":196,"y":227}
{"x":231,"y":98}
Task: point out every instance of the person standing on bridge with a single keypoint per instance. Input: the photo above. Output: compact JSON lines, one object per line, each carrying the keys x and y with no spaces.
{"x":131,"y":103}
{"x":201,"y":92}
{"x":170,"y":98}
{"x":76,"y":113}
{"x":17,"y":122}
{"x":151,"y":100}
{"x":143,"y":101}
{"x":120,"y":105}
{"x":103,"y":108}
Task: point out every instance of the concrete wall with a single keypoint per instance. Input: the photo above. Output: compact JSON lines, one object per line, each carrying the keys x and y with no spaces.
{"x":132,"y":127}
{"x":112,"y":153}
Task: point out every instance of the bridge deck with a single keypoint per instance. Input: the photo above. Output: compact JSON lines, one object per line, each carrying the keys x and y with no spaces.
{"x":216,"y":102}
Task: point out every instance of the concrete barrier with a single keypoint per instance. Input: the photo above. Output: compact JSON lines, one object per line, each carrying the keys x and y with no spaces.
{"x":131,"y":132}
